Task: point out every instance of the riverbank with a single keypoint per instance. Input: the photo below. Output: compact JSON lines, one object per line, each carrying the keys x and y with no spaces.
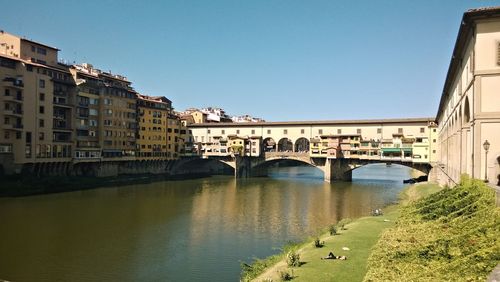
{"x":17,"y":186}
{"x":359,"y":237}
{"x":449,"y":236}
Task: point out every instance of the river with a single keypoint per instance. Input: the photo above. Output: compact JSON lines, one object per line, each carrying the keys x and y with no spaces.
{"x":191,"y":230}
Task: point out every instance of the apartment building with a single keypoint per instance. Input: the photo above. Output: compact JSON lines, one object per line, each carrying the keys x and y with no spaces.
{"x":88,"y":126}
{"x":153,"y":113}
{"x":36,"y":102}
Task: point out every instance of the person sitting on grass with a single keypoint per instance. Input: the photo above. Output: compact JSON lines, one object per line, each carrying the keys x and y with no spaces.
{"x":332,"y":256}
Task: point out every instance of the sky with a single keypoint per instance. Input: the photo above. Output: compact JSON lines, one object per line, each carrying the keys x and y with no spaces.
{"x":279,"y":60}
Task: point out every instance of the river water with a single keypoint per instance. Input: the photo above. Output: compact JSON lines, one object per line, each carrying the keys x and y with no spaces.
{"x":192,"y":230}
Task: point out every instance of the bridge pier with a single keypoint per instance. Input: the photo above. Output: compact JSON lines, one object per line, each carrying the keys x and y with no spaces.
{"x":337,"y":169}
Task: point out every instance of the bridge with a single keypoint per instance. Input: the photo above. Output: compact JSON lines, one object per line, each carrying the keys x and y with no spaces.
{"x":335,"y":147}
{"x":333,"y":169}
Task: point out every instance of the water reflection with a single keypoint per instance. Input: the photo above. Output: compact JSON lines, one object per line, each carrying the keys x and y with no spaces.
{"x":194,"y":230}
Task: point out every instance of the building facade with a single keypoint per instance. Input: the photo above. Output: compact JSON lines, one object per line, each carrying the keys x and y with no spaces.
{"x":330,"y":139}
{"x":36,"y":100}
{"x":469,"y":110}
{"x":153,"y":113}
{"x":56,"y":115}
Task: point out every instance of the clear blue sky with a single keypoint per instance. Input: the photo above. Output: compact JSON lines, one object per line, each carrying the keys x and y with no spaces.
{"x":279,"y":60}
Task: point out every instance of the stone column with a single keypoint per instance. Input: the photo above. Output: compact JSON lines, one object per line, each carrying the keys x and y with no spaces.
{"x":337,"y":170}
{"x":242,"y":167}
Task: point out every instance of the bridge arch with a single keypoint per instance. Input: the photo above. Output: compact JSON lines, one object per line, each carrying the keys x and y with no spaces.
{"x":202,"y":166}
{"x":424,"y":168}
{"x":269,"y":145}
{"x":262,"y":168}
{"x":302,"y":145}
{"x":285,"y":145}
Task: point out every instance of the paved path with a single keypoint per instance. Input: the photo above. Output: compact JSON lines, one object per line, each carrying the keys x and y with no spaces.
{"x":495,"y":275}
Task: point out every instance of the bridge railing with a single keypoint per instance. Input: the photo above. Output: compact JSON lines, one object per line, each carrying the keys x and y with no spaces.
{"x":269,"y":155}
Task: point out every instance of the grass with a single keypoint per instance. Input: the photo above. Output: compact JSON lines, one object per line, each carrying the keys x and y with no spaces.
{"x":452,"y":235}
{"x":359,"y":236}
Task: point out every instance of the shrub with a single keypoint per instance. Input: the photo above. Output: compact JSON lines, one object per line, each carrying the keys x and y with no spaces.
{"x":293,"y":259}
{"x":333,"y":229}
{"x":318,"y":244}
{"x":286,"y":276}
{"x":343,"y":223}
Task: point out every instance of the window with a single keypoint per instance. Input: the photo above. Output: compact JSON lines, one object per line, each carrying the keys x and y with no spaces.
{"x":7,"y":92}
{"x":33,"y":49}
{"x":285,"y":131}
{"x":269,"y":131}
{"x":237,"y":131}
{"x":29,"y":68}
{"x":434,"y":151}
{"x":208,"y":131}
{"x":358,"y":130}
{"x":400,"y":130}
{"x":41,"y":83}
{"x":422,"y":129}
{"x":434,"y":130}
{"x":433,"y":140}
{"x":302,"y":131}
{"x":41,"y":123}
{"x":339,"y":131}
{"x":379,"y":130}
{"x":28,"y":137}
{"x":223,"y":131}
{"x":41,"y":109}
{"x":93,"y":112}
{"x":40,"y":50}
{"x":253,"y":131}
{"x":42,"y":96}
{"x":41,"y":136}
{"x":320,"y":131}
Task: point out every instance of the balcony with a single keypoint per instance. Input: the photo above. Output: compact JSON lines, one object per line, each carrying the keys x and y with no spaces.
{"x":61,"y":126}
{"x":60,"y":93}
{"x":13,"y":112}
{"x":16,"y":127}
{"x":61,"y":103}
{"x":12,"y":82}
{"x":13,"y":98}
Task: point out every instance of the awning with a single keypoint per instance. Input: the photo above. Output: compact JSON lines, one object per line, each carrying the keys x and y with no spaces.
{"x":396,"y":150}
{"x":391,"y":150}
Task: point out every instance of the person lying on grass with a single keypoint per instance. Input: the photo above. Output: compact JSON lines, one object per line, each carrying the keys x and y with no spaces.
{"x":332,"y":256}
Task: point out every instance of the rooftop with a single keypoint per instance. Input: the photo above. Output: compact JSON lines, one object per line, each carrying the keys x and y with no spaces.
{"x":317,"y":123}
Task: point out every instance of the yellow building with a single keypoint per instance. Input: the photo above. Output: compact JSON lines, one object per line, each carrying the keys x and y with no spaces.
{"x":153,"y":115}
{"x":174,"y":141}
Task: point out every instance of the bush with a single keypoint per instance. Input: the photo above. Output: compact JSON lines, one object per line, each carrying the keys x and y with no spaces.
{"x":286,"y":276}
{"x":333,"y":229}
{"x":318,"y":244}
{"x":293,"y":259}
{"x":343,"y":223}
{"x":449,"y":236}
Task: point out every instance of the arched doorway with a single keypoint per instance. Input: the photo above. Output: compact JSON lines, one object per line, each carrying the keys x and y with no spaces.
{"x":302,"y":145}
{"x":285,"y":145}
{"x":466,"y":110}
{"x":269,"y":145}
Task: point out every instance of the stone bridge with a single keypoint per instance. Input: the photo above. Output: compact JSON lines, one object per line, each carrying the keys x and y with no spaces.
{"x":333,"y":169}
